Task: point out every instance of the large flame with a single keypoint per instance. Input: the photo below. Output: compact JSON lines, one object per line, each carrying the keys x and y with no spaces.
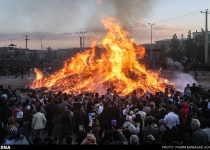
{"x":118,"y":67}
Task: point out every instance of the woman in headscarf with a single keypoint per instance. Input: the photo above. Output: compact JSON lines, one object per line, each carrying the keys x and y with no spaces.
{"x":81,"y":134}
{"x":153,"y":110}
{"x":15,"y":112}
{"x":58,"y":122}
{"x":96,"y":130}
{"x":163,"y":130}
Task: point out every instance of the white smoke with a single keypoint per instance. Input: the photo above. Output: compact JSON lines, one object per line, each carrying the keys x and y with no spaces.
{"x":181,"y":80}
{"x":175,"y":64}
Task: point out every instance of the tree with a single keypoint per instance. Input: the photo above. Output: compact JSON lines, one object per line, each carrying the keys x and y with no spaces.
{"x":33,"y":56}
{"x":163,"y":52}
{"x":200,"y":43}
{"x":49,"y":54}
{"x":190,"y":47}
{"x":17,"y":54}
{"x":175,"y":49}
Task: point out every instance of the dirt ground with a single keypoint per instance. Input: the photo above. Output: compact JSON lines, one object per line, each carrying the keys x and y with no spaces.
{"x":16,"y":83}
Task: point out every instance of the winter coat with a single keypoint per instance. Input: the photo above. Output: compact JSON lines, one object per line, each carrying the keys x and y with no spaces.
{"x":183,"y":113}
{"x":68,"y":124}
{"x":38,"y":121}
{"x":58,"y":122}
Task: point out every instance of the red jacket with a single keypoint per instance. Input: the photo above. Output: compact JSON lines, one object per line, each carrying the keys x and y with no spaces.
{"x":183,"y":113}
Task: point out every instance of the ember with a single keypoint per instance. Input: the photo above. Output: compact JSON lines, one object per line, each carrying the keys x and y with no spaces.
{"x":118,"y":68}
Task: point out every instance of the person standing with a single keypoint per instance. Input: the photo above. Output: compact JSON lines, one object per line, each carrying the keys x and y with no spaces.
{"x":68,"y":122}
{"x":58,"y":126}
{"x":196,"y":75}
{"x":108,"y":95}
{"x":171,"y":118}
{"x":50,"y":112}
{"x":207,"y":131}
{"x":21,"y":72}
{"x":128,"y":124}
{"x":38,"y":123}
{"x":142,"y":113}
{"x":79,"y":116}
{"x":198,"y":135}
{"x":149,"y":129}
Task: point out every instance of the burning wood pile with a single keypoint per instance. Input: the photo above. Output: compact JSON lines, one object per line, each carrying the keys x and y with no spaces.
{"x":118,"y":68}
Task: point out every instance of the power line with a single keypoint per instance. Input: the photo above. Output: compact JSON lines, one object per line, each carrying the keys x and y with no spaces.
{"x":177,"y":17}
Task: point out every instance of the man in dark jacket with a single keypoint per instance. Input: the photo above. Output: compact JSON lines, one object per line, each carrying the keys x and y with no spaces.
{"x":113,"y":112}
{"x":68,"y":122}
{"x":79,"y":116}
{"x":50,"y":112}
{"x":149,"y":129}
{"x":198,"y":135}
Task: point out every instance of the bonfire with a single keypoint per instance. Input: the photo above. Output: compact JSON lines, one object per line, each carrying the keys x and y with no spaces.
{"x":118,"y":68}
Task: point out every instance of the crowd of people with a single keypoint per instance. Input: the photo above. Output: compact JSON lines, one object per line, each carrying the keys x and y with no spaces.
{"x":163,"y":118}
{"x":17,"y":68}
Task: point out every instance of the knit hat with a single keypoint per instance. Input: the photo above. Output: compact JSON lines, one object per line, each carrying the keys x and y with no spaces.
{"x":114,"y":122}
{"x":20,"y":114}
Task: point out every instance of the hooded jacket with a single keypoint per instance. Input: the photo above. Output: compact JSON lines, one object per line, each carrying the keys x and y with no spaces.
{"x":183,"y":113}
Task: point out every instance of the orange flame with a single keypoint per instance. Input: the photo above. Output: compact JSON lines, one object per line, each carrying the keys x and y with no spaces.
{"x":39,"y":74}
{"x":117,"y":68}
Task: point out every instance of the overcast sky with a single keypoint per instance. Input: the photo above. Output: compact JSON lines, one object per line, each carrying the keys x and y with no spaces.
{"x":59,"y":20}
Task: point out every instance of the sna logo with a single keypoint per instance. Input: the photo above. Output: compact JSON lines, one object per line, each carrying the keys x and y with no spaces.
{"x":5,"y":147}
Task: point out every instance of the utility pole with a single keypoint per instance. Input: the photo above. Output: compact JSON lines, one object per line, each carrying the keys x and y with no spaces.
{"x":26,"y":39}
{"x":151,"y":41}
{"x":206,"y":36}
{"x":41,"y":42}
{"x":80,"y":36}
{"x":11,"y":40}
